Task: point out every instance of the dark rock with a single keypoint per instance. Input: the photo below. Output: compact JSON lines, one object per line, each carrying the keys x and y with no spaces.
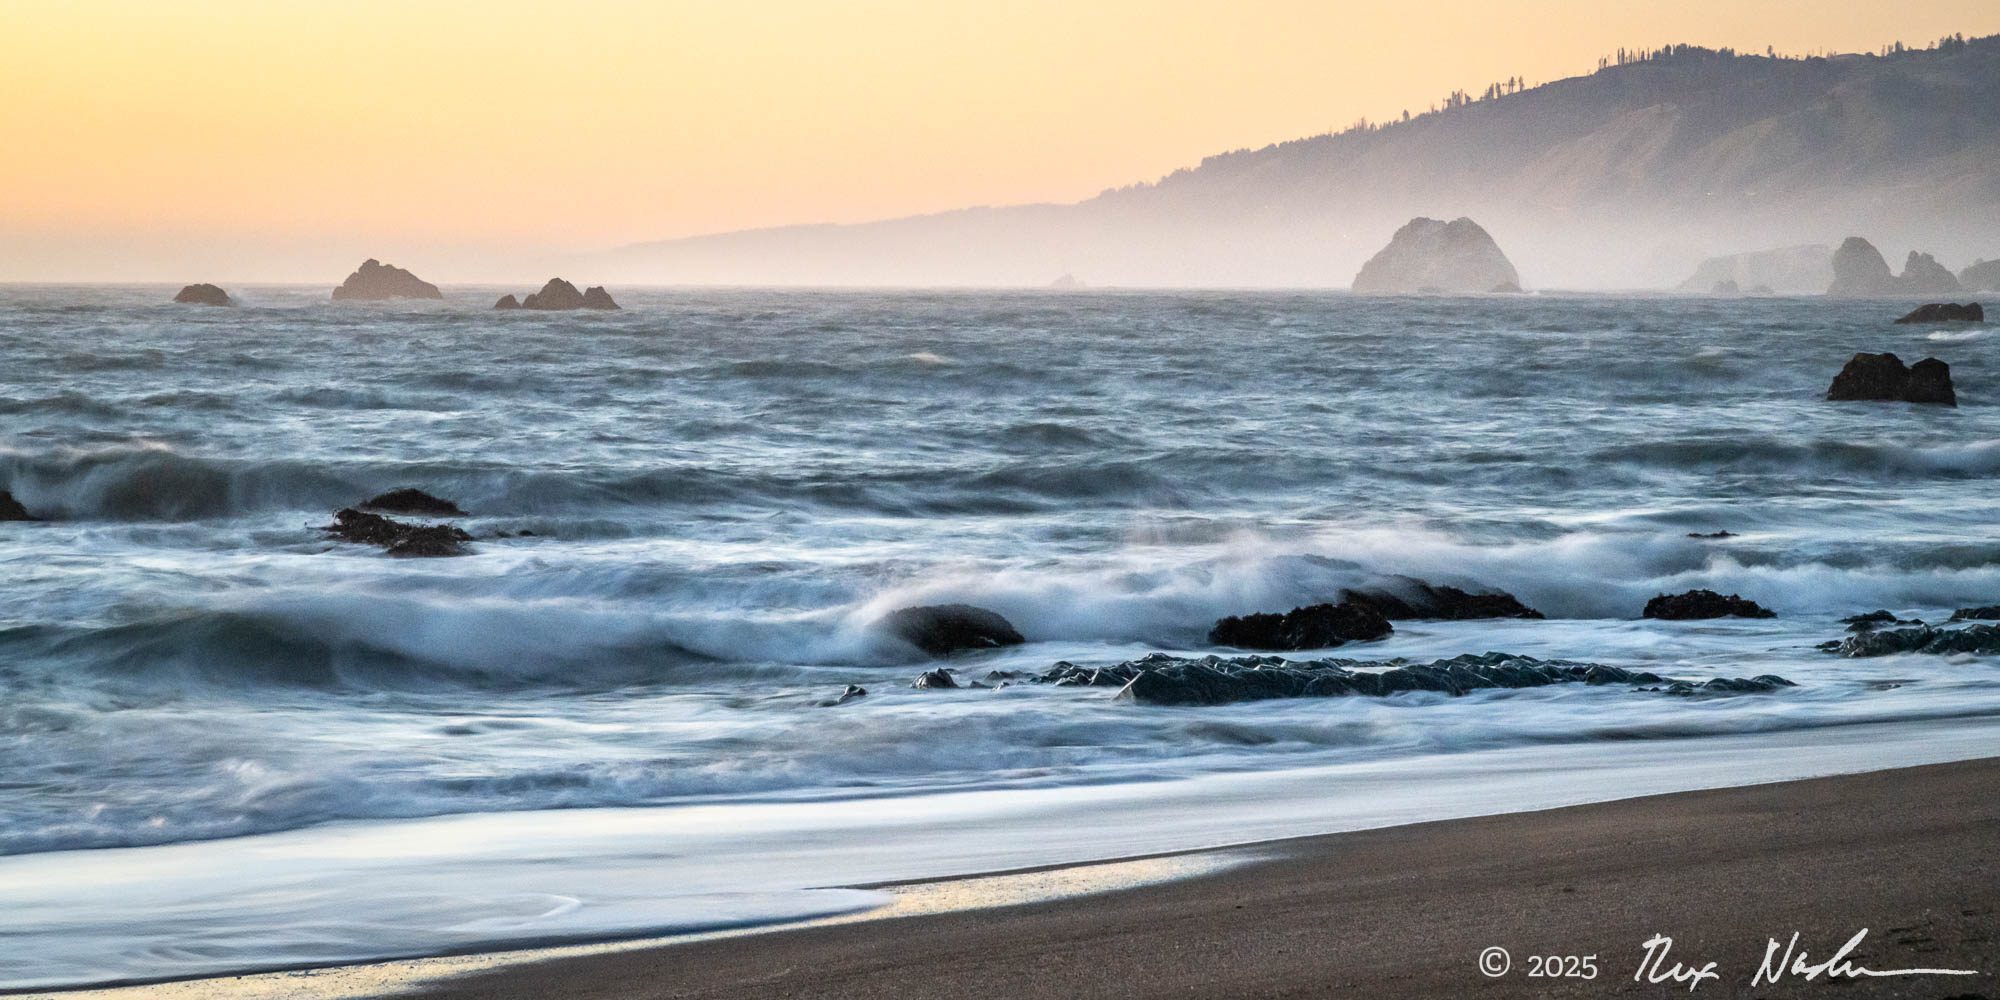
{"x":853,"y":691}
{"x":1321,"y":626}
{"x":556,"y":295}
{"x":399,"y":538}
{"x":203,"y":295}
{"x":412,"y":501}
{"x":943,"y":629}
{"x":375,"y":281}
{"x":1859,"y":270}
{"x":1709,"y":535}
{"x":934,"y":679}
{"x":1875,"y":619}
{"x":1983,"y":276}
{"x":1946,"y":312}
{"x":1427,"y":255}
{"x":1882,"y":378}
{"x":11,"y":509}
{"x":507,"y":302}
{"x":1160,"y":679}
{"x":595,"y":297}
{"x":1988,"y":613}
{"x":1697,"y":604}
{"x":1922,"y":639}
{"x":1923,"y":275}
{"x":1440,"y":603}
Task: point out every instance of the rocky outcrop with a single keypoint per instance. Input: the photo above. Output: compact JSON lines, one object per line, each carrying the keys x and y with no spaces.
{"x":944,"y":629}
{"x":412,"y":501}
{"x":1882,"y":378}
{"x":11,"y":509}
{"x":1699,"y":604}
{"x":1923,"y":639}
{"x":375,"y":281}
{"x":559,"y":295}
{"x":1860,"y":271}
{"x":1946,"y":312}
{"x":203,"y":295}
{"x":1876,"y":619}
{"x":1428,"y":256}
{"x":1988,"y":613}
{"x":1423,"y":601}
{"x":1983,"y":276}
{"x":1923,"y":275}
{"x":398,"y":537}
{"x":1321,"y":626}
{"x":853,"y":692}
{"x":507,"y":302}
{"x":1160,"y":679}
{"x":1796,"y":269}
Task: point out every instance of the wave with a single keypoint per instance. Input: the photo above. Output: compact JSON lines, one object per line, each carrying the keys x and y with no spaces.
{"x":1773,"y":456}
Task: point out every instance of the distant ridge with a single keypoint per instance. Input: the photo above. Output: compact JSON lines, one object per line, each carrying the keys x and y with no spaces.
{"x":1627,"y":177}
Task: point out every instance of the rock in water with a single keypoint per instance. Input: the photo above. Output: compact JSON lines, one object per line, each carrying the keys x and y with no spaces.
{"x":1439,"y":603}
{"x":1431,"y":256}
{"x":1923,"y":275}
{"x":1320,"y":626}
{"x":1859,"y":270}
{"x":1946,"y":312}
{"x":1697,"y":604}
{"x":1923,"y":639}
{"x":375,"y":281}
{"x":11,"y":509}
{"x":1983,"y":276}
{"x":203,"y":295}
{"x":1882,"y":378}
{"x":507,"y":302}
{"x":412,"y":501}
{"x":935,"y":680}
{"x":943,"y":629}
{"x":556,"y":295}
{"x":398,"y":538}
{"x":1988,"y":613}
{"x":595,"y":297}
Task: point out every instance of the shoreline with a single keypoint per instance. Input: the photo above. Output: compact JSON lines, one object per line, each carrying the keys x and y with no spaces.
{"x":1393,"y":911}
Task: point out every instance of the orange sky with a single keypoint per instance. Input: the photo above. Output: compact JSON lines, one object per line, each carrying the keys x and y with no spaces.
{"x":279,"y":139}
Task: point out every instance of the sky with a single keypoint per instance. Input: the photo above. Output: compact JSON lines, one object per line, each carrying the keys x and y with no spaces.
{"x":285,"y":140}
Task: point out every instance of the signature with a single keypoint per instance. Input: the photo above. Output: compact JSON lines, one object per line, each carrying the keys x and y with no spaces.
{"x":1659,"y":967}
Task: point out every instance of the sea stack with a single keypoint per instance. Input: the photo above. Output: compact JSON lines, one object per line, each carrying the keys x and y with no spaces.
{"x":1923,"y":275}
{"x":1859,"y":271}
{"x":203,"y":295}
{"x":1982,"y":276}
{"x":561,"y":295}
{"x":1428,"y":256}
{"x":375,"y":281}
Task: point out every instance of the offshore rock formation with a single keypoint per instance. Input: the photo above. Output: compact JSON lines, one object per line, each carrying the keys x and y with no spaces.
{"x":1923,"y":639}
{"x":1860,"y":271}
{"x":1798,"y":269}
{"x":1439,"y":603}
{"x":398,"y":537}
{"x":11,"y":509}
{"x":1160,"y":679}
{"x":1698,"y":604}
{"x":1922,"y":274}
{"x":1946,"y":312}
{"x":1982,"y":276}
{"x":1882,"y":378}
{"x":412,"y":501}
{"x":559,"y":295}
{"x":944,"y":629}
{"x":375,"y":281}
{"x":1431,"y":256}
{"x":1321,"y":626}
{"x":203,"y":295}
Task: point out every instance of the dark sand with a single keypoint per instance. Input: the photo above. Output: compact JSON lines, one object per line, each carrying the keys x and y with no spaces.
{"x":1913,"y":855}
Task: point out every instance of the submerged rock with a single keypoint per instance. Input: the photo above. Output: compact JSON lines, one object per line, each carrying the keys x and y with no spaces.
{"x":412,"y":501}
{"x":507,"y":301}
{"x":853,"y":691}
{"x":943,"y":629}
{"x":11,"y":509}
{"x":1711,"y":535}
{"x":1922,"y":639}
{"x":1160,"y":679}
{"x":203,"y":295}
{"x":1440,"y":603}
{"x":375,"y":281}
{"x":1875,"y":619}
{"x":1320,"y":626}
{"x":1699,"y":604}
{"x":1882,"y":378}
{"x":397,"y":537}
{"x":1427,"y":255}
{"x":1946,"y":312}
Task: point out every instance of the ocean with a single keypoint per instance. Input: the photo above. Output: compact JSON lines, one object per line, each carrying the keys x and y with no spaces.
{"x":228,"y":742}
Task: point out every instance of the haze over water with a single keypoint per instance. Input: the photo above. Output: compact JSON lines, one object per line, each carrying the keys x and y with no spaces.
{"x":725,"y":489}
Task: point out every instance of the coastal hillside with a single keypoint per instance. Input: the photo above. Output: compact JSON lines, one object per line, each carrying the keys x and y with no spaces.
{"x":1627,"y":177}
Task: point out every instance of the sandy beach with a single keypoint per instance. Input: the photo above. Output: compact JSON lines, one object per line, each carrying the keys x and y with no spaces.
{"x":1406,"y":911}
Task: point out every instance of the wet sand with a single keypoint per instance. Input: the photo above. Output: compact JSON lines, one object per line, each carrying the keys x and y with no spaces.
{"x":1912,"y":855}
